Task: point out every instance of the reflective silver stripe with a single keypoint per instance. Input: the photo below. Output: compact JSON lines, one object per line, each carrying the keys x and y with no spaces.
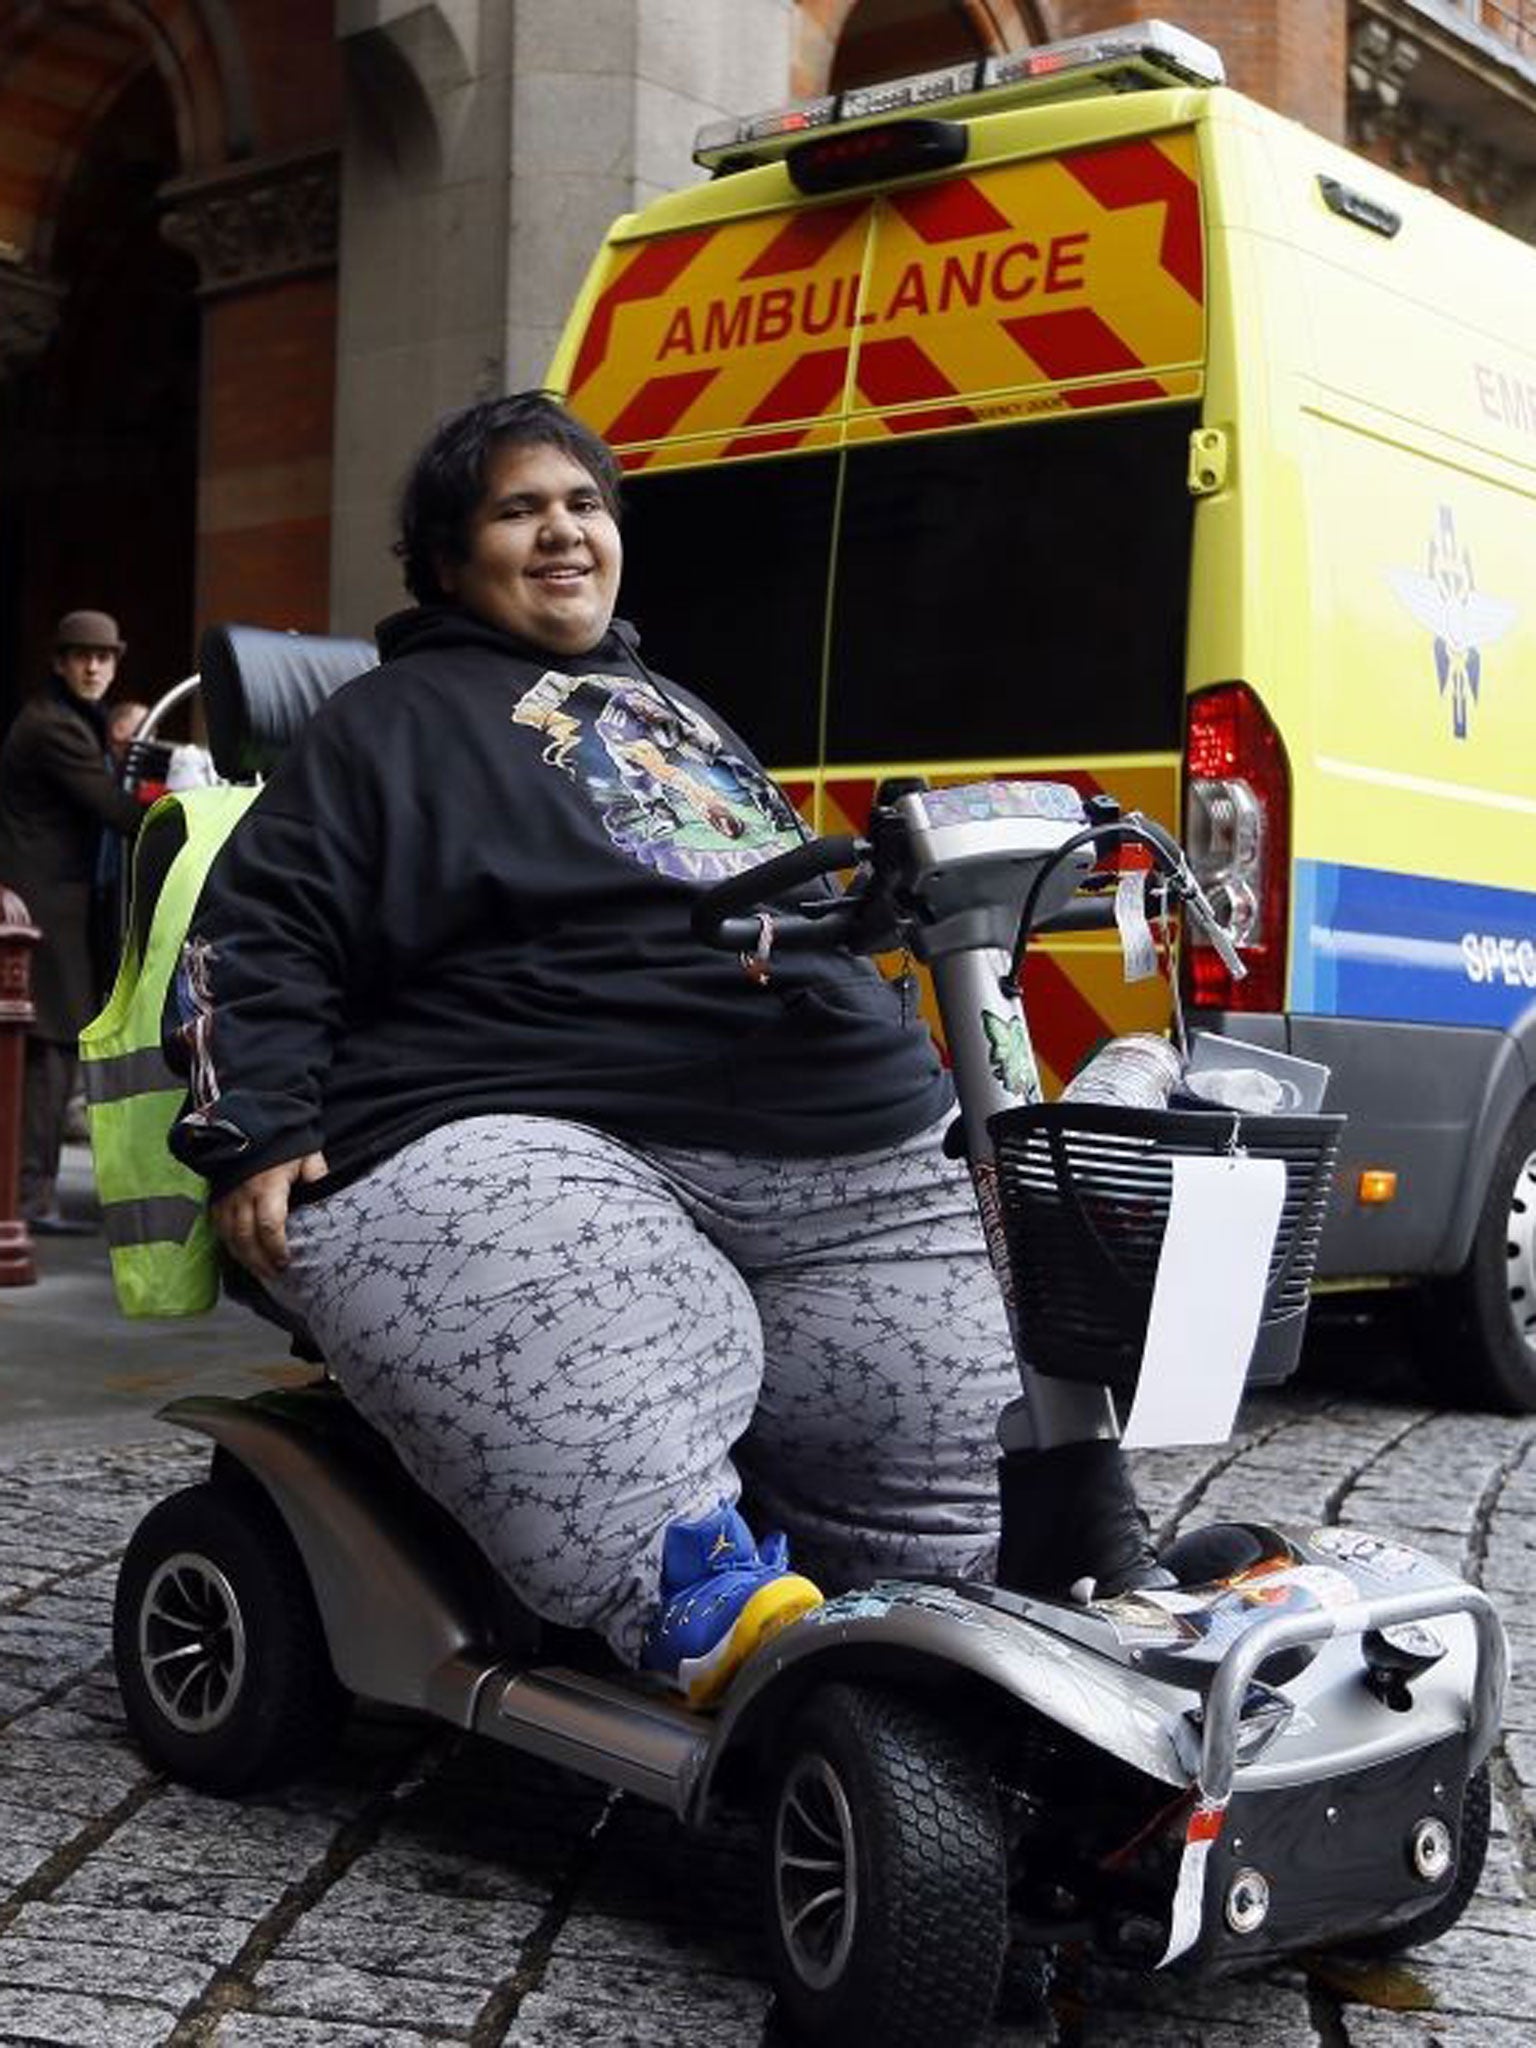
{"x":150,"y":1219}
{"x":128,"y":1073}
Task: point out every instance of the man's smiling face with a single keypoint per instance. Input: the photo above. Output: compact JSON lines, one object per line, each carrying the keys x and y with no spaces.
{"x":544,"y":551}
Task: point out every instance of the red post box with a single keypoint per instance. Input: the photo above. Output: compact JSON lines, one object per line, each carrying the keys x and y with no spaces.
{"x":18,"y":935}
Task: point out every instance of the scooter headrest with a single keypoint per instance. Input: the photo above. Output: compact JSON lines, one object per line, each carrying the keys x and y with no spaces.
{"x":259,"y":687}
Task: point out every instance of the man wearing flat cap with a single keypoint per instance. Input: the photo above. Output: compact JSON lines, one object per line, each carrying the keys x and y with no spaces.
{"x":57,"y":797}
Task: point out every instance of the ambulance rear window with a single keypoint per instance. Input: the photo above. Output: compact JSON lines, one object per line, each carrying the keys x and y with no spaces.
{"x":1012,"y":592}
{"x":725,"y":574}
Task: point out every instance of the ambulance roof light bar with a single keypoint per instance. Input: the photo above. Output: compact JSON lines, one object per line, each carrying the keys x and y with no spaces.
{"x":1146,"y":54}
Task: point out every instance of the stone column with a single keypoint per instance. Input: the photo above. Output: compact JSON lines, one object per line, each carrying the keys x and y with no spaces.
{"x":425,"y":208}
{"x":489,"y":145}
{"x":607,"y":99}
{"x":264,"y":235}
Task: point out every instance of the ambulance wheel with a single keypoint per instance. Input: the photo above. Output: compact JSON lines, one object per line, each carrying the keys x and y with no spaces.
{"x":1441,"y":1917}
{"x":221,"y":1659}
{"x":887,"y":1875}
{"x":1487,"y":1338}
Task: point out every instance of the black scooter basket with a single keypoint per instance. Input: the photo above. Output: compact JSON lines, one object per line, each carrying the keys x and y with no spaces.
{"x":1085,"y":1190}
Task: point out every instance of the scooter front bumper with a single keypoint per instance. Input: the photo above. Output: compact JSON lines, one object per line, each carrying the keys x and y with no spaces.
{"x":1303,"y":1793}
{"x":1326,"y":1841}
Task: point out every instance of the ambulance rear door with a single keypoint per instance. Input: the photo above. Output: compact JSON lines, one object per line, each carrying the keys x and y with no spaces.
{"x":907,"y":471}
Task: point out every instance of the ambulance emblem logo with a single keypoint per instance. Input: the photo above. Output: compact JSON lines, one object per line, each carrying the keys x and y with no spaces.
{"x":1464,"y":620}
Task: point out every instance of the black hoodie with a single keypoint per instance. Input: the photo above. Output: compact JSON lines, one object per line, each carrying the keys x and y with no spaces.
{"x":466,"y":891}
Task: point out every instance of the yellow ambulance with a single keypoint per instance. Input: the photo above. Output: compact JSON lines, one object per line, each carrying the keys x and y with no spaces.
{"x":1070,"y":414}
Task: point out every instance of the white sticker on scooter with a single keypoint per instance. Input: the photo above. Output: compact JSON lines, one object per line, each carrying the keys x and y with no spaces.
{"x":1010,"y":1056}
{"x":1137,"y":948}
{"x":1206,"y":1299}
{"x":1354,"y":1546}
{"x":1189,"y":1893}
{"x":1327,"y":1587}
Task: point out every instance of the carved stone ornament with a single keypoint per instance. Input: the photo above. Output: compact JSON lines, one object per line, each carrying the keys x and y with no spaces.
{"x":29,"y":312}
{"x":257,"y":222}
{"x":1418,"y":140}
{"x":1381,"y":60}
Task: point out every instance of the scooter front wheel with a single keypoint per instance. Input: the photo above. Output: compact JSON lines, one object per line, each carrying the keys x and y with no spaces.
{"x":221,"y":1659}
{"x":888,"y":1882}
{"x":1484,"y":1333}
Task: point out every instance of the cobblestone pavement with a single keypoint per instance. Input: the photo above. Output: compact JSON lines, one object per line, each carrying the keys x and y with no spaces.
{"x":423,"y":1888}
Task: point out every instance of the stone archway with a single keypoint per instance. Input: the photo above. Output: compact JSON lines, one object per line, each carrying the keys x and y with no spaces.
{"x":62,"y":65}
{"x":98,"y":333}
{"x":931,"y":31}
{"x":187,"y":107}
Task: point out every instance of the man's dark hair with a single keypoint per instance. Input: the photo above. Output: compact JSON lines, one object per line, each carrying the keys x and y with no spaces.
{"x":447,"y":480}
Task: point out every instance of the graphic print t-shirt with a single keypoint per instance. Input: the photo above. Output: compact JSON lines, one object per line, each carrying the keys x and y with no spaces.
{"x":668,"y":790}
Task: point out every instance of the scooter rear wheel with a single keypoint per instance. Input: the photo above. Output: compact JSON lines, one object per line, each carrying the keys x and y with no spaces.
{"x":221,"y":1659}
{"x":887,"y":1878}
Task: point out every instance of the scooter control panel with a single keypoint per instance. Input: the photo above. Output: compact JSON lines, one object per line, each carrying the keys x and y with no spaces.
{"x":978,"y":844}
{"x":972,"y":803}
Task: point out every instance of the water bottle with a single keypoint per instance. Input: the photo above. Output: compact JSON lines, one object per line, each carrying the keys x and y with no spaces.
{"x":1139,"y":1071}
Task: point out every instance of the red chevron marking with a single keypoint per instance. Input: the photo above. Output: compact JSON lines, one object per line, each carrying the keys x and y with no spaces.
{"x":1062,"y":1022}
{"x":805,"y":390}
{"x":806,"y":239}
{"x":900,"y":373}
{"x":854,"y":797}
{"x":1076,"y":343}
{"x":658,"y":405}
{"x":658,"y":266}
{"x":1122,"y":174}
{"x":951,"y":212}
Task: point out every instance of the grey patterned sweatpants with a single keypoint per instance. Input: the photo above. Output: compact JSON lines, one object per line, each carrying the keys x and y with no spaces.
{"x":572,"y":1342}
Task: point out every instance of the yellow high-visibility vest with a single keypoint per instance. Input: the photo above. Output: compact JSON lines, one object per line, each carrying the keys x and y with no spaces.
{"x":154,"y":1209}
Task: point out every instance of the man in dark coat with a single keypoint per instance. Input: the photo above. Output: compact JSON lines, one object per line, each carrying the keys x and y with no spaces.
{"x":57,"y":797}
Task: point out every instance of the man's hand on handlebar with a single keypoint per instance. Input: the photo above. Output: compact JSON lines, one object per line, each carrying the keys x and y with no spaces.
{"x":251,"y":1220}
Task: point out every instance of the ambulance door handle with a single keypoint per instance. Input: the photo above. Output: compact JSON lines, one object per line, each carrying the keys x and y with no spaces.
{"x":1210,"y":457}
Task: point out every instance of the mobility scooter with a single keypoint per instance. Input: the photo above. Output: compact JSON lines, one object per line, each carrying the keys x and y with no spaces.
{"x":1283,"y":1745}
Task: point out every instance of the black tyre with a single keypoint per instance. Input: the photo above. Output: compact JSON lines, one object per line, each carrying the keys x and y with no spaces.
{"x":1486,"y":1335}
{"x":887,"y":1875}
{"x":221,"y":1659}
{"x":1471,"y":1855}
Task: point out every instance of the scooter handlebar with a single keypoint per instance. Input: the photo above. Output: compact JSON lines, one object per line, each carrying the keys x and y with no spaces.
{"x":1081,"y":914}
{"x":717,"y":920}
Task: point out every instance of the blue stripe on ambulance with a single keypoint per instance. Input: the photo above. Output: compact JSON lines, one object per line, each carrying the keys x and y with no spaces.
{"x":1370,"y":943}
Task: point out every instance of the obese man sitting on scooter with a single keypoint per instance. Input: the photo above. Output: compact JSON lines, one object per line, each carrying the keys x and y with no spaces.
{"x":601,"y":1229}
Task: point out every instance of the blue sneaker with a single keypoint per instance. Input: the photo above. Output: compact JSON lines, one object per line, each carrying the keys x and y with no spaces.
{"x":721,"y":1597}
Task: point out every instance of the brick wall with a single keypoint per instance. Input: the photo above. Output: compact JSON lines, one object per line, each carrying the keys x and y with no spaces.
{"x":264,"y":483}
{"x":269,"y":362}
{"x":839,"y":42}
{"x":1288,"y":53}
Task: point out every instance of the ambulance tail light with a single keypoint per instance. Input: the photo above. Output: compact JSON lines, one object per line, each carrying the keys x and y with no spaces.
{"x":1237,"y":830}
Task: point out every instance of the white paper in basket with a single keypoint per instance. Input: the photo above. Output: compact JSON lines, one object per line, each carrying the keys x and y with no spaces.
{"x":1206,"y":1299}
